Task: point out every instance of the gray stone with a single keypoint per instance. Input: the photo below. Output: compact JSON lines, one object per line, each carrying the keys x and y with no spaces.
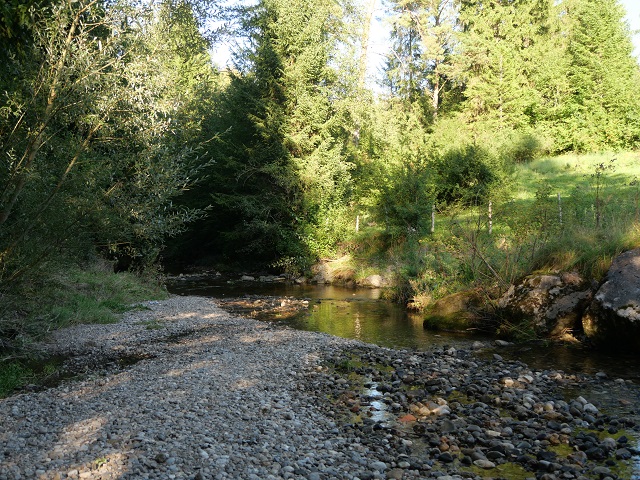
{"x":552,"y":304}
{"x":613,"y":317}
{"x":486,"y":464}
{"x":379,"y":466}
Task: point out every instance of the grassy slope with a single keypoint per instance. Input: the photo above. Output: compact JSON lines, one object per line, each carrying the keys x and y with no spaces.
{"x":527,"y":234}
{"x":590,"y":195}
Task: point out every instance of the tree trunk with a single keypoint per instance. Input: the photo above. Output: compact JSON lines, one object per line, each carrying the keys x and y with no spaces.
{"x":366,"y":30}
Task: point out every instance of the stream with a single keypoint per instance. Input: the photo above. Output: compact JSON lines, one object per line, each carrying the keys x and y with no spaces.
{"x":365,"y":315}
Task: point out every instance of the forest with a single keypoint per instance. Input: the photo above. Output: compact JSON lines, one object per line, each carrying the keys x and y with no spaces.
{"x":125,"y":147}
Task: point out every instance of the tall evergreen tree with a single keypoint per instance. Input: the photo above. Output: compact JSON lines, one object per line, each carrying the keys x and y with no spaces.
{"x":603,"y":109}
{"x":502,"y":45}
{"x":405,"y":71}
{"x":424,"y":39}
{"x":281,"y":174}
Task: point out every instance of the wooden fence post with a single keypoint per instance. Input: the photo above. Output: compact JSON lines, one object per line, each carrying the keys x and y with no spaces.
{"x":559,"y":209}
{"x":433,"y":218}
{"x":490,"y":219}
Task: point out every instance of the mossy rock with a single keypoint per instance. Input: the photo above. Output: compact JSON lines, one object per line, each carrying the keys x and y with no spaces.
{"x":462,"y":312}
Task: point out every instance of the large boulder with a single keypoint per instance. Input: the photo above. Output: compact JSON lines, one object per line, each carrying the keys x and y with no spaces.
{"x":613,"y":318}
{"x":549,"y":305}
{"x":374,"y":281}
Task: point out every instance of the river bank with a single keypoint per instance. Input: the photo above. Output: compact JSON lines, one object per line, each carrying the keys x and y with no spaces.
{"x":182,"y":389}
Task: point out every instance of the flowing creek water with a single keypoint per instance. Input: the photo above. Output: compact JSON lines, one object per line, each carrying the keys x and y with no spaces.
{"x":365,"y":315}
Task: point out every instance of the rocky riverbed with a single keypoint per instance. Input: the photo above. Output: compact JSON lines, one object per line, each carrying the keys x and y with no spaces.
{"x":182,"y":389}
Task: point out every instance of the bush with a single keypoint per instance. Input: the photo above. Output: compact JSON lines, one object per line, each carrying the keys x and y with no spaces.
{"x":466,"y":175}
{"x":406,"y":201}
{"x":522,"y":147}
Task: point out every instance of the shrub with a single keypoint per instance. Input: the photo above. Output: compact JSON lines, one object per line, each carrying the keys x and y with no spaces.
{"x":466,"y":175}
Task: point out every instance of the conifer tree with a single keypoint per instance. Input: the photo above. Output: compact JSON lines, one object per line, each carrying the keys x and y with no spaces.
{"x":603,"y":108}
{"x":502,"y":43}
{"x":281,"y":175}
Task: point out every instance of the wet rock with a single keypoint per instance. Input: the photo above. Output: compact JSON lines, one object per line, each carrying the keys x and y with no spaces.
{"x":623,"y":454}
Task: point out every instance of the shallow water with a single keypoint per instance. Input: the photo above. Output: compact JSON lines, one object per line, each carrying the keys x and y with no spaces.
{"x":364,"y":315}
{"x":344,"y":312}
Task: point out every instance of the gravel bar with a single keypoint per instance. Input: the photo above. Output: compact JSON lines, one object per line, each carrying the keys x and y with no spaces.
{"x":180,"y":389}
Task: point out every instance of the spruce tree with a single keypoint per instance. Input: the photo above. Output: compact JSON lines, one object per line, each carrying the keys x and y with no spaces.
{"x":281,"y":178}
{"x":502,"y":45}
{"x":603,"y":109}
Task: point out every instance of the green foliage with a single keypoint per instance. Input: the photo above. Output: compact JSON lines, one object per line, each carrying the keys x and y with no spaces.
{"x":602,"y":110}
{"x":522,"y":147}
{"x":281,"y":183}
{"x":12,"y":376}
{"x":88,"y":156}
{"x":407,"y":200}
{"x":467,"y":175}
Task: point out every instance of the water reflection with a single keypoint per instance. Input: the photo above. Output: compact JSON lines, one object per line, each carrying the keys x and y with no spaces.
{"x":362,"y":314}
{"x":575,"y":359}
{"x":359,"y":314}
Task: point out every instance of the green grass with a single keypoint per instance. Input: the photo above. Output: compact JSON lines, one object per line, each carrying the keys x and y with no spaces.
{"x":566,"y":172}
{"x":91,"y":296}
{"x":72,"y":296}
{"x":12,"y":376}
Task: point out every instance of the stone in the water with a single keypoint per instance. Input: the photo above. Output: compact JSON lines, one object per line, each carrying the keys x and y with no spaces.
{"x":602,"y":471}
{"x":613,"y":317}
{"x":623,"y":454}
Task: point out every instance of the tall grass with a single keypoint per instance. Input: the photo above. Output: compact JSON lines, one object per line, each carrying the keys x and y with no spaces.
{"x":595,"y":218}
{"x":93,"y":294}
